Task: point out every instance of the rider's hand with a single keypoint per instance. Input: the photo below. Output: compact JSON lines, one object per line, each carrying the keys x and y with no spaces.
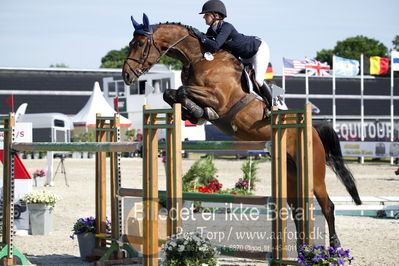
{"x":199,"y":34}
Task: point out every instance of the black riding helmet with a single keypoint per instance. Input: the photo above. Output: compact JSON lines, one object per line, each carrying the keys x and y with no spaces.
{"x":214,"y":6}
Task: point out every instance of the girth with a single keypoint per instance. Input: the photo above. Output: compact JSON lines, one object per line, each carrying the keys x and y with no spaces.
{"x":225,"y":122}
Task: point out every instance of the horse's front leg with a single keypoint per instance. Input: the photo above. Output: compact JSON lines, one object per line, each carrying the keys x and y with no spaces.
{"x":195,"y":110}
{"x":170,"y":96}
{"x":203,"y":97}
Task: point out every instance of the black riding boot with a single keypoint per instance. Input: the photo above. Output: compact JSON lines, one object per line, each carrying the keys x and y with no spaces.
{"x":267,"y":94}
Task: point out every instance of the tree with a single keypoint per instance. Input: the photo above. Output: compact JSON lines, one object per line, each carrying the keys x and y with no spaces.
{"x":171,"y":62}
{"x":116,"y":58}
{"x":325,"y":56}
{"x":352,"y":47}
{"x":59,"y":65}
{"x":395,"y":43}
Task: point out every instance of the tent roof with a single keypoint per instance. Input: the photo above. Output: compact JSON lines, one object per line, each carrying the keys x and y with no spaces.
{"x":96,"y":104}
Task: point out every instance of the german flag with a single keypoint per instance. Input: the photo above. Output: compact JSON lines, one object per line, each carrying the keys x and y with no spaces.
{"x":269,"y":71}
{"x":376,"y":65}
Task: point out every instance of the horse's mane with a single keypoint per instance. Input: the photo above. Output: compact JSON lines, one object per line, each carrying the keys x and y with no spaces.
{"x":174,"y":23}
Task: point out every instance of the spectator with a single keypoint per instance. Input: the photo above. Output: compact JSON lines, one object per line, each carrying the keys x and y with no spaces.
{"x":139,"y":136}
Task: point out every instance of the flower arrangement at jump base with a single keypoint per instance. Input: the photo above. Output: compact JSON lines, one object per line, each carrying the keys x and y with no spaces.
{"x":189,"y":249}
{"x":41,"y":197}
{"x":41,"y":205}
{"x":212,"y":186}
{"x":38,"y":177}
{"x":320,"y":255}
{"x":85,"y":229}
{"x":201,"y":177}
{"x":87,"y":225}
{"x":39,"y":173}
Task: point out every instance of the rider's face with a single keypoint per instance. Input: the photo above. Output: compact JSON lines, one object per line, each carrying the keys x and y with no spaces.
{"x":208,"y":18}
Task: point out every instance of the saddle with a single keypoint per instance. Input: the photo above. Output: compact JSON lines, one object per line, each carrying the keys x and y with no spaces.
{"x":248,"y":81}
{"x":249,"y":84}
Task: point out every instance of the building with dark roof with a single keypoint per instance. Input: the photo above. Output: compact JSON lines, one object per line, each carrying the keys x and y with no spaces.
{"x":66,"y":91}
{"x":61,"y":90}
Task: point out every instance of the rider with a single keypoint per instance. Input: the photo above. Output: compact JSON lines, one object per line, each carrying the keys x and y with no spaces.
{"x":221,"y":34}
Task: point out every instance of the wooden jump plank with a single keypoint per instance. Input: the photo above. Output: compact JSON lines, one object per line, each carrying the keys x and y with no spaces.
{"x":150,"y":193}
{"x":279,"y":183}
{"x":77,"y":146}
{"x":100,"y":188}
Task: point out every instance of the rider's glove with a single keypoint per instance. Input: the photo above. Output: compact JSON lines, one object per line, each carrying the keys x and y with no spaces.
{"x":201,"y":36}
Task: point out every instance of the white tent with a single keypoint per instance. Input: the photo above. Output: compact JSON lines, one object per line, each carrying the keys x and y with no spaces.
{"x":96,"y":104}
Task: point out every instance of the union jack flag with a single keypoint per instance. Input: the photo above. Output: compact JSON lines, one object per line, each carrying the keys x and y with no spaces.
{"x":292,"y":66}
{"x":317,"y":68}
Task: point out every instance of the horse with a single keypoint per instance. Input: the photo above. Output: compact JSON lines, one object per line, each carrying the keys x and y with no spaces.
{"x":217,"y":85}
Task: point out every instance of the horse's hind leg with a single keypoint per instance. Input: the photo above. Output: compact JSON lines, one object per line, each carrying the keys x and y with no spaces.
{"x":319,"y":190}
{"x":327,"y":207}
{"x":292,"y":196}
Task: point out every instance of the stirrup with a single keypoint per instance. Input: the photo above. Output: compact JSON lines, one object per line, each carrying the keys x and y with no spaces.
{"x":278,"y":101}
{"x":201,"y":121}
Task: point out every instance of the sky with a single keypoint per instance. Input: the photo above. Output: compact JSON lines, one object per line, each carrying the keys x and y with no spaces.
{"x":78,"y":33}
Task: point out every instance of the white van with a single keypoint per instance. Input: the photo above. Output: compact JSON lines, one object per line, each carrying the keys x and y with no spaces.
{"x":49,"y":127}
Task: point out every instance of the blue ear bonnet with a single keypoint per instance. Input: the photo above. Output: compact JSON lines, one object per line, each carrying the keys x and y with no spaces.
{"x":143,"y":29}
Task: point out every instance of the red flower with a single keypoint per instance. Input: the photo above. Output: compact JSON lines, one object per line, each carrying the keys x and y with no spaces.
{"x":213,"y":186}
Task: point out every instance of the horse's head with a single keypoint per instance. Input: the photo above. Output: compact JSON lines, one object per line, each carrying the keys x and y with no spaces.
{"x":143,"y":51}
{"x":148,"y":46}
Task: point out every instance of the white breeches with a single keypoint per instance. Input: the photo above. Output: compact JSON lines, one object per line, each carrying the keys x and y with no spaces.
{"x":260,"y":62}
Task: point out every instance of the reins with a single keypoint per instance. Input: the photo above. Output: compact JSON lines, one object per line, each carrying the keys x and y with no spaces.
{"x":146,"y":54}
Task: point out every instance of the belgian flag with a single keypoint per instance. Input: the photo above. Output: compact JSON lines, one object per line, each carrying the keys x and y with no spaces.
{"x":376,"y":65}
{"x":269,"y":72}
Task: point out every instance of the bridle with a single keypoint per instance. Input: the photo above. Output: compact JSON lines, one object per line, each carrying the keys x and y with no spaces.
{"x":146,"y":53}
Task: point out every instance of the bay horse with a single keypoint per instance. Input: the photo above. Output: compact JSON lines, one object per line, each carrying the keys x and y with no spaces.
{"x":216,"y":84}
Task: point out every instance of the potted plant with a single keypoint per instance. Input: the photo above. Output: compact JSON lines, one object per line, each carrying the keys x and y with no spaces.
{"x":40,"y":204}
{"x":320,"y":255}
{"x":38,"y":176}
{"x":189,"y":249}
{"x":85,"y":229}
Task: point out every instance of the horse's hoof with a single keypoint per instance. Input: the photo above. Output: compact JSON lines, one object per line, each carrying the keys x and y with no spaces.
{"x":334,"y":241}
{"x":194,"y":109}
{"x":201,"y":121}
{"x":267,"y":113}
{"x":193,"y":120}
{"x":210,"y":114}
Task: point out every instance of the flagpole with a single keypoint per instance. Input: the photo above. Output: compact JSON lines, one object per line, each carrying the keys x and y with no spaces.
{"x":392,"y":110}
{"x":306,"y":85}
{"x":12,"y":103}
{"x":283,"y":83}
{"x":361,"y":104}
{"x":333,"y":98}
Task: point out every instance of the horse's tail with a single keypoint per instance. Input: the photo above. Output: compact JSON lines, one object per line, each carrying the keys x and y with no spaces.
{"x":335,"y":160}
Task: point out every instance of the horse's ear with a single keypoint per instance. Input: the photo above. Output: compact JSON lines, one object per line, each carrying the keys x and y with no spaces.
{"x":146,"y":22}
{"x":135,"y":24}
